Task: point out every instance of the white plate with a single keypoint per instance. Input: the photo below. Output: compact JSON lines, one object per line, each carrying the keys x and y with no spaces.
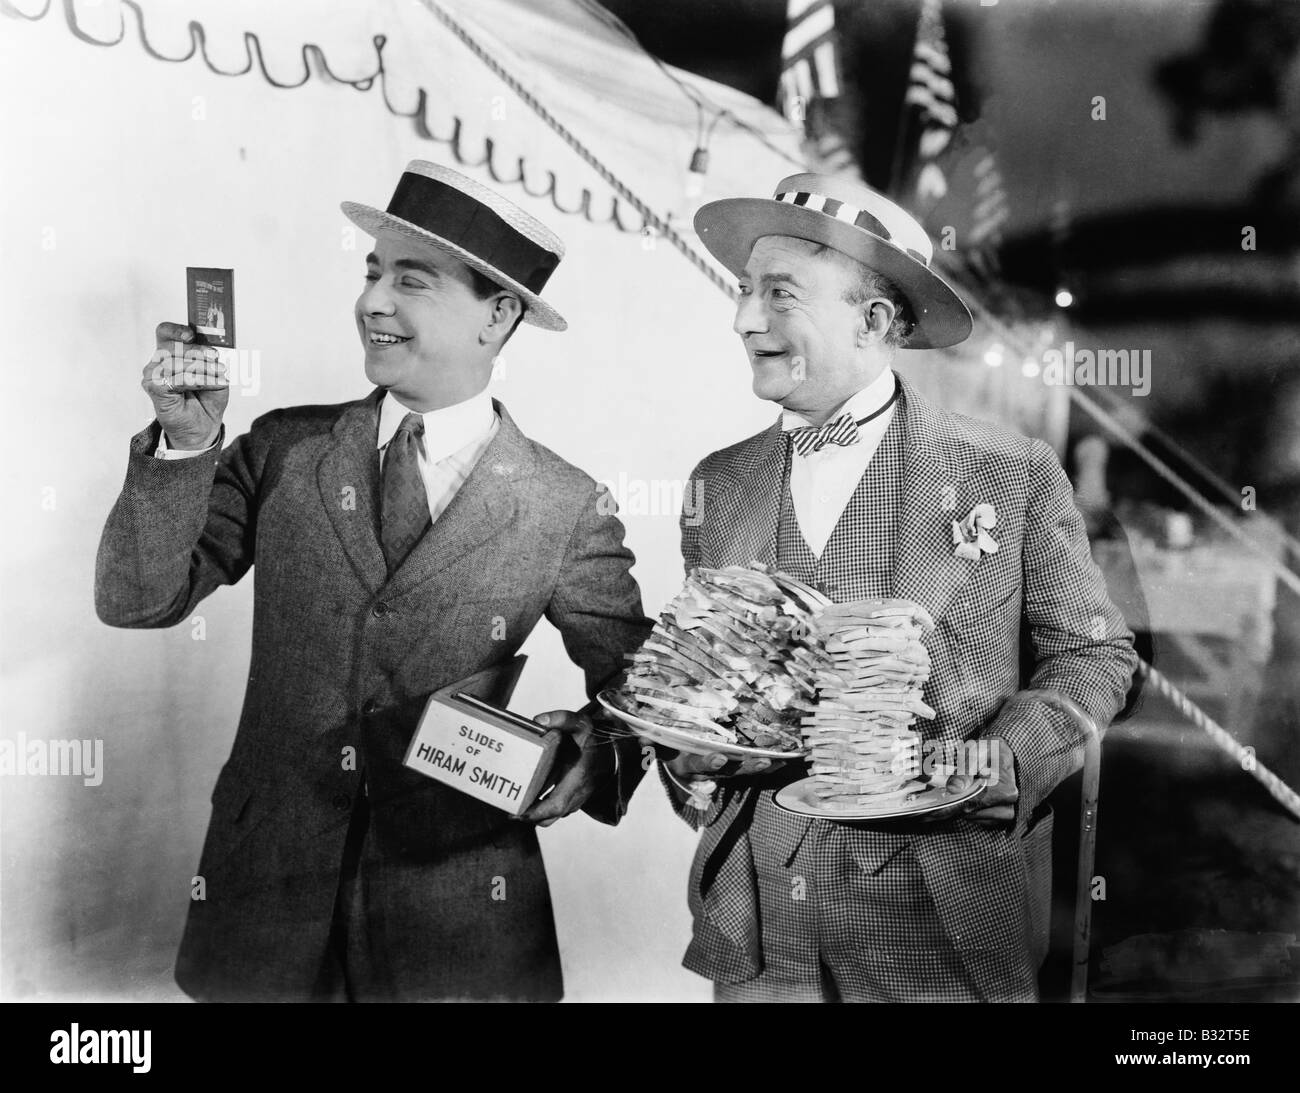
{"x":799,"y":799}
{"x":681,"y":740}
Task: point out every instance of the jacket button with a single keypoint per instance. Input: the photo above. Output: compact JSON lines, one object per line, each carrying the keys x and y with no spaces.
{"x":379,"y":610}
{"x":341,"y":802}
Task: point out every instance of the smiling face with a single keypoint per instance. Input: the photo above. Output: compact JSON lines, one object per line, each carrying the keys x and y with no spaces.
{"x":422,"y":324}
{"x":809,"y":347}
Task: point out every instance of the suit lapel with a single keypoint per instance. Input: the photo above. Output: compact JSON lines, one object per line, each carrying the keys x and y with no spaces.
{"x":485,"y":503}
{"x":755,"y":499}
{"x":937,"y":489}
{"x":348,"y":479}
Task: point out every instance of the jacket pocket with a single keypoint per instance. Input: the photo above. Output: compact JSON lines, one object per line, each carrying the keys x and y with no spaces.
{"x":1041,"y":815}
{"x":239,"y":805}
{"x":1036,"y":845}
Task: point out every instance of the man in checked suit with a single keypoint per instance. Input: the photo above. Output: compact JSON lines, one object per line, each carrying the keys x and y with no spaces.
{"x":401,"y":543}
{"x":855,"y":490}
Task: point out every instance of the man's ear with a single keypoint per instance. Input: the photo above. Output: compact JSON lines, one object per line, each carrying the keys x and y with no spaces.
{"x":877,"y":317}
{"x":506,"y":310}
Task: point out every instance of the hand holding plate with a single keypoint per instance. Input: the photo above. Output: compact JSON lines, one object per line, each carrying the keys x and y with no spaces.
{"x":996,"y":806}
{"x":691,"y":768}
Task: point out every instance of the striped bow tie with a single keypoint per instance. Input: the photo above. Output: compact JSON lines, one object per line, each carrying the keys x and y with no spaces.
{"x":842,"y":430}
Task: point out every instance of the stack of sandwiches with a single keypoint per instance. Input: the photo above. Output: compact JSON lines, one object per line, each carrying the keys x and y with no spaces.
{"x":863,"y":752}
{"x":733,"y":658}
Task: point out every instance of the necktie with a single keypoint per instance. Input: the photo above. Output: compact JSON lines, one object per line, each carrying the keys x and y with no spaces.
{"x":405,"y":514}
{"x":841,"y":429}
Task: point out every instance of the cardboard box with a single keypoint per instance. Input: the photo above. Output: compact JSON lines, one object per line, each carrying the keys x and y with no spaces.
{"x":483,"y":750}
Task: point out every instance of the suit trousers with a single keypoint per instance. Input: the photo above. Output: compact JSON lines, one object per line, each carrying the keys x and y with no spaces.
{"x":850,"y":918}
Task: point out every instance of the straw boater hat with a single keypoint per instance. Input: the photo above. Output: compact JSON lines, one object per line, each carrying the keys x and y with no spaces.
{"x":855,"y":220}
{"x":446,"y":210}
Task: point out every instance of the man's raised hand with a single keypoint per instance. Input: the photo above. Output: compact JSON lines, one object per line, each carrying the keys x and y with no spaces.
{"x":188,"y":387}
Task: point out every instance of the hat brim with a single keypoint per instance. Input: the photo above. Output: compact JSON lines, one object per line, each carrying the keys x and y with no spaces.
{"x":729,"y":229}
{"x":537,"y":311}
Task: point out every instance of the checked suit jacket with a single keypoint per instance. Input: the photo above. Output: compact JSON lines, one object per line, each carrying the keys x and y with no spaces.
{"x":344,"y":657}
{"x":990,"y":888}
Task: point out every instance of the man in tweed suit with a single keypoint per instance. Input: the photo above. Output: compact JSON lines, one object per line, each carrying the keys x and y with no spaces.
{"x":855,"y":490}
{"x":401,"y":543}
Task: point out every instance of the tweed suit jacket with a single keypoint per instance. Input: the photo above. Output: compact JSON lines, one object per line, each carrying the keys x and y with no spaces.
{"x":343,"y":659}
{"x":990,"y":887}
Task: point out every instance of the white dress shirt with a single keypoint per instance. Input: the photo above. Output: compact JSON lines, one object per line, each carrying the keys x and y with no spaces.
{"x":455,"y":438}
{"x":164,"y":452}
{"x":821,"y":483}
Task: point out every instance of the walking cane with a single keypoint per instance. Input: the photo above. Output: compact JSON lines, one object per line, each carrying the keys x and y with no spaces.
{"x":1087,"y":829}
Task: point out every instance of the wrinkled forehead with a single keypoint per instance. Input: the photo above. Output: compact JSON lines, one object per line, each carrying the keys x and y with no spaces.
{"x":778,"y":244}
{"x":801,"y":256}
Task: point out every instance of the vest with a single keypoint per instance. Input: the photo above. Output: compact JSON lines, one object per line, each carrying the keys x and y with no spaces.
{"x":857,"y":564}
{"x":858,"y":561}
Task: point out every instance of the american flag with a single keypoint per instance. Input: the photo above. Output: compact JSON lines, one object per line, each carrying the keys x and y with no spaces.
{"x":809,"y":64}
{"x":989,"y":213}
{"x":930,"y":90}
{"x":931,"y":105}
{"x":810,"y":79}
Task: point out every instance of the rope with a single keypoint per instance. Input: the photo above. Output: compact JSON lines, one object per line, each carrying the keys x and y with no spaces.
{"x":649,"y":217}
{"x":1280,"y":570}
{"x":1283,"y":573}
{"x":1225,"y":488}
{"x":1277,"y":789}
{"x":693,"y":93}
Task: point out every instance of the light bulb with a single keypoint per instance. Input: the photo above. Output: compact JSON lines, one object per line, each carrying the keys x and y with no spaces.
{"x":699,"y":167}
